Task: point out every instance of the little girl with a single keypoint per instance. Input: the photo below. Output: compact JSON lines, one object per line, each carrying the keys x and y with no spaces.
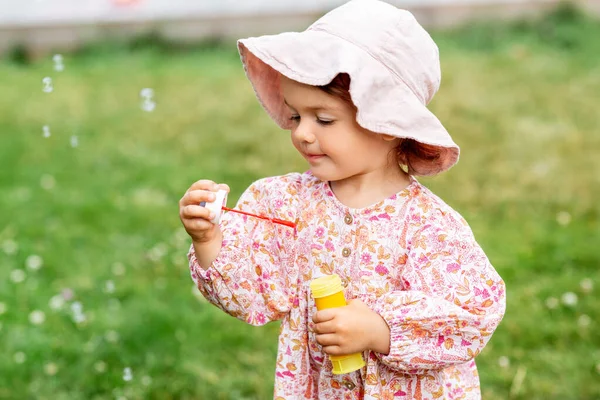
{"x":424,"y":300}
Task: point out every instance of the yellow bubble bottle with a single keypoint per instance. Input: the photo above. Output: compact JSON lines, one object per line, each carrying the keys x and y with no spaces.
{"x":328,"y":293}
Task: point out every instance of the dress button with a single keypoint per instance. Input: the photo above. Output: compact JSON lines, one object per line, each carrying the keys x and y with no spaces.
{"x":348,"y":219}
{"x":349,"y":385}
{"x":344,"y":282}
{"x":346,"y":252}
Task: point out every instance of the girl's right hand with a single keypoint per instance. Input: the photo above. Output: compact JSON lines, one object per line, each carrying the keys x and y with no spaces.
{"x":195,"y":218}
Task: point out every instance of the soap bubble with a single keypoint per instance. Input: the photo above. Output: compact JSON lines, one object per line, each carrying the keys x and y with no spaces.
{"x":127,"y":375}
{"x":148,"y":104}
{"x":58,"y":62}
{"x":47,"y":82}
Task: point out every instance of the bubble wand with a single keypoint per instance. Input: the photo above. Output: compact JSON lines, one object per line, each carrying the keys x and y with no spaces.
{"x":218,"y":206}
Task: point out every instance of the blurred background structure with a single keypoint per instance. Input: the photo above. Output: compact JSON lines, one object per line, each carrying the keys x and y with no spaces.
{"x":41,"y":25}
{"x":110,"y":109}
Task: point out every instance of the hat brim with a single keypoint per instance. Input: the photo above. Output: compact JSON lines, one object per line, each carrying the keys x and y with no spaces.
{"x":385,"y":104}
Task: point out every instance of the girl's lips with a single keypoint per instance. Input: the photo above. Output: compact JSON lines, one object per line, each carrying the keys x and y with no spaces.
{"x":314,"y":157}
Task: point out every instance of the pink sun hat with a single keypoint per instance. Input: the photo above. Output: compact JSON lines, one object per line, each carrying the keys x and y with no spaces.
{"x":393,"y":64}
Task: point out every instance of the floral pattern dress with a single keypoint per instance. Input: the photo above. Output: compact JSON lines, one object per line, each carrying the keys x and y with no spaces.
{"x":411,"y":258}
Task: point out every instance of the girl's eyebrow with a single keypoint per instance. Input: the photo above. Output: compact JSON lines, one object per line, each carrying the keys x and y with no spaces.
{"x":316,"y":107}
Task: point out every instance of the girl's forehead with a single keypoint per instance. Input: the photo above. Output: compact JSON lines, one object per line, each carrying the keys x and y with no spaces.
{"x":300,"y":95}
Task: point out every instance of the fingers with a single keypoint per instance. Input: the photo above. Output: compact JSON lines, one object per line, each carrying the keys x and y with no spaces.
{"x":329,"y":339}
{"x":204,"y":184}
{"x":195,"y":197}
{"x":195,"y":211}
{"x":324,"y":315}
{"x":325,"y":327}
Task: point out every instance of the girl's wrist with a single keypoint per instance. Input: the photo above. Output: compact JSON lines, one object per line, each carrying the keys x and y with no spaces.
{"x":380,"y":341}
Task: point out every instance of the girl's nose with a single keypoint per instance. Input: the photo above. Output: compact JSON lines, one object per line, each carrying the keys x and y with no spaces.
{"x":303,"y":133}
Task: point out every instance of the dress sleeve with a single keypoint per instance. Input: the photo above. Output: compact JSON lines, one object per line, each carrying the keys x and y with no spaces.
{"x":253,"y":278}
{"x":453,"y":300}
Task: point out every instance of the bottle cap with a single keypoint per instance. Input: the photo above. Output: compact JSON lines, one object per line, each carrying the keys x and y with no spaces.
{"x":346,"y":364}
{"x":326,"y":285}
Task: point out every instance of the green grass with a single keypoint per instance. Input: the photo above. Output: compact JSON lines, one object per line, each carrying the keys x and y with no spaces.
{"x":520,"y":99}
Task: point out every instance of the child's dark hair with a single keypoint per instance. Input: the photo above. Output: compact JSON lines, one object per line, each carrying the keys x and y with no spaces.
{"x":415,"y":156}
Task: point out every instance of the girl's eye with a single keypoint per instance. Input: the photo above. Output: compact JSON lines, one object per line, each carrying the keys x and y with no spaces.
{"x":296,"y":118}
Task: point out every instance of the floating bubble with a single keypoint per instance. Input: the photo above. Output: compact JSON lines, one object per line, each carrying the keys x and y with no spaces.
{"x":34,"y":262}
{"x":37,"y":317}
{"x":127,"y":375}
{"x":148,"y":103}
{"x":46,"y":131}
{"x":47,"y":82}
{"x":58,"y":62}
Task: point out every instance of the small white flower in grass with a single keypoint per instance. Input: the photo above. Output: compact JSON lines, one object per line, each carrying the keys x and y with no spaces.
{"x":76,"y":307}
{"x":34,"y":262}
{"x":584,"y":321}
{"x":37,"y":317}
{"x":67,"y":294}
{"x":20,"y":357}
{"x":157,"y":252}
{"x":100,"y":366}
{"x":57,"y":302}
{"x":109,"y":287}
{"x":46,"y":130}
{"x":17,"y":275}
{"x":563,"y":218}
{"x":111,"y":336}
{"x":127,"y":375}
{"x":586,"y":285}
{"x":74,"y":141}
{"x":551,"y":302}
{"x":47,"y":182}
{"x":118,"y":269}
{"x":146,"y":380}
{"x":2,"y":308}
{"x":79,"y":318}
{"x":569,"y":299}
{"x":503,"y":362}
{"x":50,"y":369}
{"x":10,"y":246}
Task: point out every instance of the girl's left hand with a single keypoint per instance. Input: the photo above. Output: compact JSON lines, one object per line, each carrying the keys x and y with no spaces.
{"x":351,"y":329}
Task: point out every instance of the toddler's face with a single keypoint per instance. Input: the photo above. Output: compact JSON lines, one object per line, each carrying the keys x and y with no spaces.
{"x":326,"y":133}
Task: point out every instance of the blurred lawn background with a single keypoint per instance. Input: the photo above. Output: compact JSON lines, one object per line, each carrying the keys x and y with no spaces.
{"x":93,"y":268}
